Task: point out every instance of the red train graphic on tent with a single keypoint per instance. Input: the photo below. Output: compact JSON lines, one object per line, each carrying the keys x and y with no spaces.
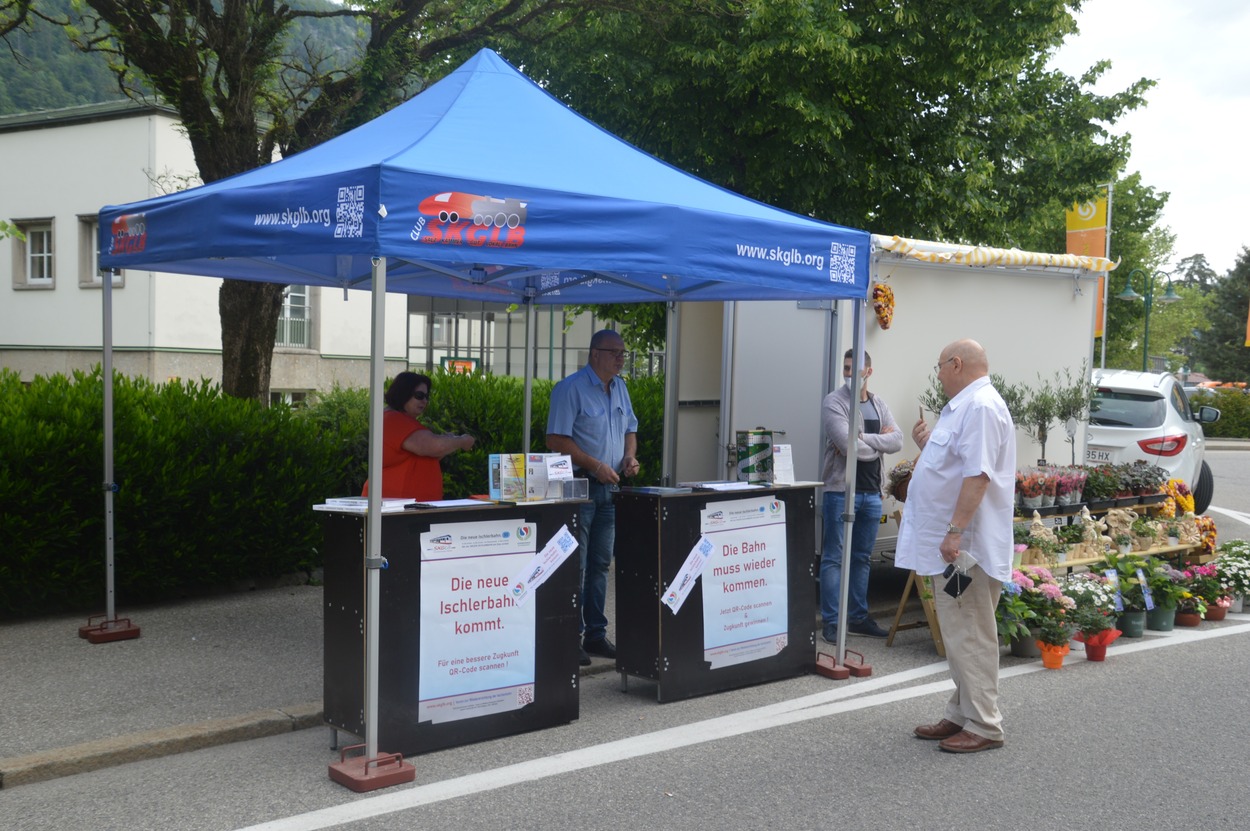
{"x":485,"y":211}
{"x":129,"y":234}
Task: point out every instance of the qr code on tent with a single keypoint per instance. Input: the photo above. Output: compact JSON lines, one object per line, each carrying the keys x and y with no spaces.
{"x":349,"y":214}
{"x":841,"y":263}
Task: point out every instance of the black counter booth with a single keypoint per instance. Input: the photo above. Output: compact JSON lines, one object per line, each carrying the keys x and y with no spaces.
{"x":460,"y":659}
{"x":747,"y":619}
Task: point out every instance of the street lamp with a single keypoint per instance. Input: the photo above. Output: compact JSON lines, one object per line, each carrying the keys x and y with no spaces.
{"x":1169,"y":296}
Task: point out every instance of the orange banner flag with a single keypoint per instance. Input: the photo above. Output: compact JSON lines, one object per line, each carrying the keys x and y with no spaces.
{"x":1087,"y":236}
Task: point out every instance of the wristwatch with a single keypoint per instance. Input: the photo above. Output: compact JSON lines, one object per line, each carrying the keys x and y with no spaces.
{"x":951,"y":528}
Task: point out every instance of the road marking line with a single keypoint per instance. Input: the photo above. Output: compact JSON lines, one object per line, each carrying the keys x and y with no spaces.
{"x":806,"y":708}
{"x":1240,"y":516}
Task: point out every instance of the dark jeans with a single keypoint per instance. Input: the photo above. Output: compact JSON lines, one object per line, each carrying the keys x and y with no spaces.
{"x":863,"y":535}
{"x":595,"y":539}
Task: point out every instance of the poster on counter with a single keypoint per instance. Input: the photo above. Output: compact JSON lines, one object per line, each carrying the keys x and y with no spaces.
{"x":745,"y":598}
{"x":477,"y":642}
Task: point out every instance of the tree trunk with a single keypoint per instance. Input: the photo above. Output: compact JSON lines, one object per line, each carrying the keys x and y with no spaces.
{"x":249,"y":324}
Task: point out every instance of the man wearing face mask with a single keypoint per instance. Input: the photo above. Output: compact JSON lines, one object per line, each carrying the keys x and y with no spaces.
{"x":879,"y":435}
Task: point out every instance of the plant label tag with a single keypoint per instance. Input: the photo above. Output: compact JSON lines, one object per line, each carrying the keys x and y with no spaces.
{"x":1145,"y":591}
{"x":1113,"y":577}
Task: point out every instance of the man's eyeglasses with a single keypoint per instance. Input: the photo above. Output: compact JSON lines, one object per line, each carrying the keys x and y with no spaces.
{"x":615,"y":353}
{"x":420,"y":396}
{"x":938,"y":367}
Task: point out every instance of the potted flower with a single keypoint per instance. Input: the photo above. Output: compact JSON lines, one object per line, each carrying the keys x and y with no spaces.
{"x":1233,"y":566}
{"x":1128,"y":571}
{"x":1167,"y":587}
{"x":1030,"y":486}
{"x":1039,"y":593}
{"x":1145,"y":479}
{"x":1094,"y":615}
{"x":1190,"y":609}
{"x":1145,"y":533}
{"x":1051,"y":551}
{"x":1204,"y":582}
{"x":1013,"y":616}
{"x":1181,"y":502}
{"x":1174,"y":533}
{"x":1053,"y":634}
{"x":1123,"y":543}
{"x":1099,"y":487}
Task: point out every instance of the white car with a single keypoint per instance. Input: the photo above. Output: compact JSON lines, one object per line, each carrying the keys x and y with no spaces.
{"x":1146,"y":416}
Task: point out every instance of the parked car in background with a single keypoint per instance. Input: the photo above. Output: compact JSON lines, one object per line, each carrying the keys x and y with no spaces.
{"x":1146,"y":416}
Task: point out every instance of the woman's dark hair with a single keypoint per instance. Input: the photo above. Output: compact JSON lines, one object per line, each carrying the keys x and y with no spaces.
{"x":403,"y":386}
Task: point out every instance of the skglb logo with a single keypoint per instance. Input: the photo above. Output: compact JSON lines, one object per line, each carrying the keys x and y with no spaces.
{"x":523,"y":533}
{"x":129,"y":234}
{"x":469,"y":219}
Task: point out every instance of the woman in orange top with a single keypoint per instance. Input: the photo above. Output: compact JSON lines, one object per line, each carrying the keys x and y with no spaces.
{"x":410,"y":450}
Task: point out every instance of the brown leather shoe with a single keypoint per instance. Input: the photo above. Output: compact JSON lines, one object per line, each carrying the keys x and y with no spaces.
{"x":942,"y":730}
{"x":965,"y":742}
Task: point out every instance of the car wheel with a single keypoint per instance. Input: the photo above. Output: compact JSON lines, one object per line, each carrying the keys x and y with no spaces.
{"x":1203,"y":490}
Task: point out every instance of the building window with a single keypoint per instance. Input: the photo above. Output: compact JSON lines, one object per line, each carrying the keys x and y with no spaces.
{"x":295,"y":324}
{"x":33,"y":266}
{"x":89,"y":256}
{"x":443,"y":330}
{"x":295,"y":399}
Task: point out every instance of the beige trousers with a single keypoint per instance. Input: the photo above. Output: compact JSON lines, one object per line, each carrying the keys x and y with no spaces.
{"x":971,"y":638}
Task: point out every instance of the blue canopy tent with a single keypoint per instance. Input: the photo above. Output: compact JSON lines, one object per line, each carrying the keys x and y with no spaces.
{"x":484,"y":187}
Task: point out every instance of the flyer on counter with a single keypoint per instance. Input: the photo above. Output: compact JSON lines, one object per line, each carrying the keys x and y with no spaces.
{"x":683,"y":583}
{"x":783,"y":465}
{"x":543,"y":564}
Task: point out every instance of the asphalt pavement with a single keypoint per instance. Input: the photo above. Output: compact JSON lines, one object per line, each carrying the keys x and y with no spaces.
{"x":226,"y":668}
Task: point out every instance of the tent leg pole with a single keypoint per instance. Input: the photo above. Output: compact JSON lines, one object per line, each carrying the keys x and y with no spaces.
{"x":368,"y":771}
{"x":108,"y":628}
{"x":668,"y":471}
{"x":530,"y":326}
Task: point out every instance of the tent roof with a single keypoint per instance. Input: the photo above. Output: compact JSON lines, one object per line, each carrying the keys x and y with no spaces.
{"x":486,"y":187}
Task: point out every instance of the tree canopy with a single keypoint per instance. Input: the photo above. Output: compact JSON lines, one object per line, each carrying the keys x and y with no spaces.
{"x":937,"y":120}
{"x":1221,"y":348}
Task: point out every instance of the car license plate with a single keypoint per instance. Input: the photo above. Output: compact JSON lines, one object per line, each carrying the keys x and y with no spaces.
{"x":1097,"y":455}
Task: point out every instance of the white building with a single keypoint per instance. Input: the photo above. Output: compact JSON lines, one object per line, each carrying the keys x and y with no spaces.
{"x":62,"y":166}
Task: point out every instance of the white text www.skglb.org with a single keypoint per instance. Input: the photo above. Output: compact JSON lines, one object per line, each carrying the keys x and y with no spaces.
{"x":295,"y":217}
{"x":785,"y":256}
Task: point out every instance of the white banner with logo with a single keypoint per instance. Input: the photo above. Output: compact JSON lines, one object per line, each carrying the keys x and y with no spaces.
{"x":477,"y":642}
{"x":745,"y":593}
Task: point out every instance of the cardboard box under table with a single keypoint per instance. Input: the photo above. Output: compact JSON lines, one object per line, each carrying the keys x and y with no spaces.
{"x":459,"y":659}
{"x":749,"y":617}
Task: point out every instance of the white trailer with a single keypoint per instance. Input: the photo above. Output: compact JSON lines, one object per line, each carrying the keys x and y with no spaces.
{"x":769,"y":364}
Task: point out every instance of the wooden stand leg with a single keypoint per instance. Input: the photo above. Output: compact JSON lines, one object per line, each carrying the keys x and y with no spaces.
{"x":930,"y":615}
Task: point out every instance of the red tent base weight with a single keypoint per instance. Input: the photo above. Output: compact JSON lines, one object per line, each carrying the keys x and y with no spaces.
{"x":100,"y":629}
{"x":361,"y":774}
{"x":856,"y":665}
{"x":827,"y":666}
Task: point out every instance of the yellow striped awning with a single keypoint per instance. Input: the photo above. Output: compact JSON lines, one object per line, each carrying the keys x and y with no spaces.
{"x":980,"y":255}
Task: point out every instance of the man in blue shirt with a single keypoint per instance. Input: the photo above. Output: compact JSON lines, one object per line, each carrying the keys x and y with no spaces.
{"x":592,"y":421}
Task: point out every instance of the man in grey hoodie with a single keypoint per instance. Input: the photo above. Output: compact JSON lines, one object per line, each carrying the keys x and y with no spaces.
{"x":879,"y":435}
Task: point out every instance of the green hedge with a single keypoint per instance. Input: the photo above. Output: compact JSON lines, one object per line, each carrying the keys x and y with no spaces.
{"x":213,"y":489}
{"x":1234,"y":407}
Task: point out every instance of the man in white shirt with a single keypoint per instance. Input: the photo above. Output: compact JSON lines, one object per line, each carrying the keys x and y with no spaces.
{"x":960,"y":500}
